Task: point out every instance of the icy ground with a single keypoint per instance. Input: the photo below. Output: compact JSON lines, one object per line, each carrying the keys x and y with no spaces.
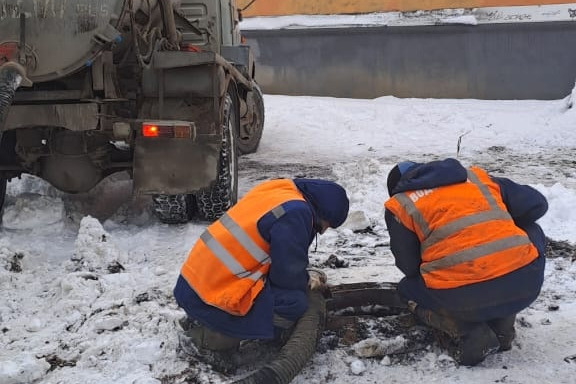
{"x":87,"y":280}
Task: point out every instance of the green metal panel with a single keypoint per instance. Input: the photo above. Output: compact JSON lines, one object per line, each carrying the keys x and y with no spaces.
{"x":62,"y":36}
{"x":203,"y":15}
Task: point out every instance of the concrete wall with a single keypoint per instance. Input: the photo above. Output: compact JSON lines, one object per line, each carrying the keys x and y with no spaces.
{"x":490,"y":61}
{"x":328,"y":7}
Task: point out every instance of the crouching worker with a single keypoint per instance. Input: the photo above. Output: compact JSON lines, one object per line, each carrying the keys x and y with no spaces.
{"x":246,"y":277}
{"x":470,"y":250}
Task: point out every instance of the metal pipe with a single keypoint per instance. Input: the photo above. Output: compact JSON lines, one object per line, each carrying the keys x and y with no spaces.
{"x":169,"y":22}
{"x":22,"y":43}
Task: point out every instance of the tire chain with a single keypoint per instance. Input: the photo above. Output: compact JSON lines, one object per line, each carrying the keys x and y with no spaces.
{"x":213,"y":202}
{"x":171,"y":209}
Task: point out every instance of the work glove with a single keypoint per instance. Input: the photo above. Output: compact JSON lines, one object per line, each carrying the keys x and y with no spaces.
{"x":316,"y":280}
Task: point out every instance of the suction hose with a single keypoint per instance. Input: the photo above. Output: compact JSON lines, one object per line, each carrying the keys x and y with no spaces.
{"x":298,"y":350}
{"x":11,"y":76}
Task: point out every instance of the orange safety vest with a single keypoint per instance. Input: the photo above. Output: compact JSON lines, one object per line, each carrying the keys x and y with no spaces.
{"x":466,"y":233}
{"x":228,"y":265}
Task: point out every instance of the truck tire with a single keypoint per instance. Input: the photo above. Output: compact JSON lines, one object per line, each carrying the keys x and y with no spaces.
{"x":213,"y":202}
{"x":250,"y":134}
{"x":174,"y":209}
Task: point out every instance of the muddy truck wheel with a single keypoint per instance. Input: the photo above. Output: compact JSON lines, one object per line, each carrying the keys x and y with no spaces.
{"x":214,"y":201}
{"x":174,"y":209}
{"x":250,"y":134}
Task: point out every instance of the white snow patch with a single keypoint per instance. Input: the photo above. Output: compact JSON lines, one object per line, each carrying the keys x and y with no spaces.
{"x":95,"y":250}
{"x":467,"y":20}
{"x":22,"y":369}
{"x":374,"y":347}
{"x":356,"y":221}
{"x":33,"y":210}
{"x":357,"y":367}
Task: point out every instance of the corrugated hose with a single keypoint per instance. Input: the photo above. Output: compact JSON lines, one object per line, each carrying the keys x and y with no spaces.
{"x":298,"y":350}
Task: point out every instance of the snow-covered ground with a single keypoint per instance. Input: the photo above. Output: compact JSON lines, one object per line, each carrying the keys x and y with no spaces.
{"x":87,"y":280}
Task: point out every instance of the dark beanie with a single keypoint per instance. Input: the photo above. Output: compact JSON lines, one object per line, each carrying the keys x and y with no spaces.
{"x":396,"y":173}
{"x":393,"y":179}
{"x":328,"y":199}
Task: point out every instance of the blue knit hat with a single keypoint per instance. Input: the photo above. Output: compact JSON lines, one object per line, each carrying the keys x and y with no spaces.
{"x":328,"y":199}
{"x":396,"y":173}
{"x":405,"y":166}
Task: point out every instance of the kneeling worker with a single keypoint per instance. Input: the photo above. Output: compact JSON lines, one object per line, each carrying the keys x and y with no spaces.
{"x":470,"y":249}
{"x":246,"y":277}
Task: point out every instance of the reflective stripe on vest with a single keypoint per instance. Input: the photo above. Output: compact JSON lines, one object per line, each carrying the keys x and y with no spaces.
{"x":228,"y":264}
{"x":227,"y":259}
{"x":474,"y":253}
{"x":439,"y":264}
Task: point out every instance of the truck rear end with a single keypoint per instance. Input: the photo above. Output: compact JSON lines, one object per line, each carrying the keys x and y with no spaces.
{"x":163,"y":90}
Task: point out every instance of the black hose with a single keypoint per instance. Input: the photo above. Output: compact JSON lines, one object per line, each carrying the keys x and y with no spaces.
{"x":296,"y":353}
{"x":10,"y":79}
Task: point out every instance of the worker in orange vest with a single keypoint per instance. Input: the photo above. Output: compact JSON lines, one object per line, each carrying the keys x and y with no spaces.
{"x":247,"y":276}
{"x":471,"y":251}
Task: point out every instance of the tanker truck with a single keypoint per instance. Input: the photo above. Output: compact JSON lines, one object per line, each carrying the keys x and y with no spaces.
{"x":164,"y":90}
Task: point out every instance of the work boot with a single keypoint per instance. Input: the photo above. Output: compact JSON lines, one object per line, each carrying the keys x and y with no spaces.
{"x":186,"y":323}
{"x":473,"y":347}
{"x":208,"y":346}
{"x":215,"y":341}
{"x":186,"y":343}
{"x":439,"y":321}
{"x":468,"y":343}
{"x":504,"y":330}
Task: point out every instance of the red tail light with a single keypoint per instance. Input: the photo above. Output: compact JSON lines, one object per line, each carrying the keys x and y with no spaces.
{"x":150,"y":130}
{"x":169,"y":129}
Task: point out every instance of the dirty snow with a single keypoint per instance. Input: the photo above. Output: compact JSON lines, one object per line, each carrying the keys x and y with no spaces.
{"x":87,"y":280}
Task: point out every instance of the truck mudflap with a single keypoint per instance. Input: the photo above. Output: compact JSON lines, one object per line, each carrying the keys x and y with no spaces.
{"x":338,"y":316}
{"x":174,"y":166}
